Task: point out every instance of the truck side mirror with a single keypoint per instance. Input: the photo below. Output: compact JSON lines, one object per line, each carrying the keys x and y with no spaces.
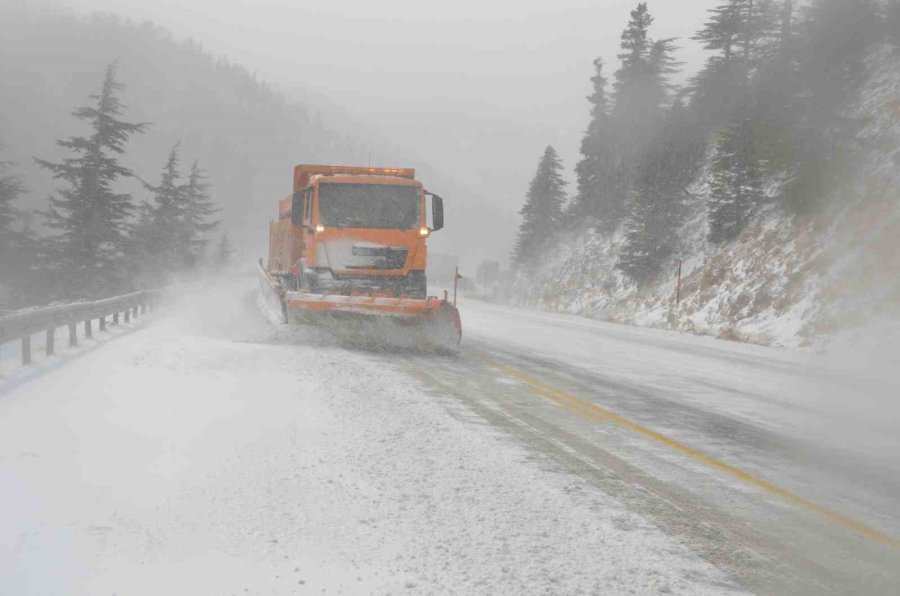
{"x":297,"y":209}
{"x":437,"y":212}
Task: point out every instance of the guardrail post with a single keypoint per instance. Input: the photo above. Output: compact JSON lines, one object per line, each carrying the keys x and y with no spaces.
{"x":26,"y":349}
{"x":23,"y":326}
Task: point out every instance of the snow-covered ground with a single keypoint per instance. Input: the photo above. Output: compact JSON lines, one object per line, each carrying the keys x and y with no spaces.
{"x":849,"y":391}
{"x":212,"y":453}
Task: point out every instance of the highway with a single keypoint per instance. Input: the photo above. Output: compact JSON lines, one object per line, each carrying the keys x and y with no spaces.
{"x":780,"y":466}
{"x":204,"y":450}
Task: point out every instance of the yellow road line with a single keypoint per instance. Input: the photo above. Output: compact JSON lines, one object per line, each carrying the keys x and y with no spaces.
{"x":593,"y":412}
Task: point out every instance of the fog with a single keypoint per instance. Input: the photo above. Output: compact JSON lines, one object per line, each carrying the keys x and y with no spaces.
{"x":669,"y":365}
{"x":476,"y":90}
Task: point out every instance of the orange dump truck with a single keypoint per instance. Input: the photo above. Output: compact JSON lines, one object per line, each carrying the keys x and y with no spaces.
{"x":349,"y":250}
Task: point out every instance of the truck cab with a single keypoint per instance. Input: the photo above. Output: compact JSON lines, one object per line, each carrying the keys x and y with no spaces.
{"x":354,"y":230}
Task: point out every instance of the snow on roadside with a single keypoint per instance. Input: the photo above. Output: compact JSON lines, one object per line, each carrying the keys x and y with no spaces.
{"x":12,"y":370}
{"x":786,"y":281}
{"x":212,"y":453}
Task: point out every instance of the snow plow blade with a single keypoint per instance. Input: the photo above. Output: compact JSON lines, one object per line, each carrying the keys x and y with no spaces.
{"x":376,"y":321}
{"x":271,"y":297}
{"x":407,"y":323}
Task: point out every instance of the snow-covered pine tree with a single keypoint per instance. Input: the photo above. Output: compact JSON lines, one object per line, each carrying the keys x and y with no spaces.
{"x":736,"y":182}
{"x":197,"y":220}
{"x":668,"y":165}
{"x":224,"y":252}
{"x":543,"y":210}
{"x":597,"y":162}
{"x":167,"y":210}
{"x":91,"y":217}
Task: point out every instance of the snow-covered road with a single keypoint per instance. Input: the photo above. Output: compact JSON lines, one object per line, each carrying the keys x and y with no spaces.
{"x":779,"y":466}
{"x":208,"y":452}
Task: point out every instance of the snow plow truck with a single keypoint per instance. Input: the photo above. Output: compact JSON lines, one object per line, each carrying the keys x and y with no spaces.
{"x":348,"y":252}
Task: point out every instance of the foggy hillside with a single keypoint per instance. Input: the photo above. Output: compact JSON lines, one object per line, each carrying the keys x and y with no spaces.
{"x":247,"y":135}
{"x":772,"y":180}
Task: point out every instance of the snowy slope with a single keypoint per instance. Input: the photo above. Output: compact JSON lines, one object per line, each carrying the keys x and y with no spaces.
{"x":211,"y":453}
{"x":784,"y":281}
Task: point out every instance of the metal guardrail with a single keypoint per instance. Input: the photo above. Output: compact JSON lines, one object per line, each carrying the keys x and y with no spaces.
{"x":22,"y":325}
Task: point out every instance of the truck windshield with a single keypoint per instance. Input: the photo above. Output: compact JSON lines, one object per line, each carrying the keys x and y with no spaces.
{"x":368,"y":206}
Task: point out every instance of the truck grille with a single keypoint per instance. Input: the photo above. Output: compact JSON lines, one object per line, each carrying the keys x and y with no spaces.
{"x":384,"y":257}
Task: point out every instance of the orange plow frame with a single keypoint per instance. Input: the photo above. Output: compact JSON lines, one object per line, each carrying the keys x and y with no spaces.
{"x":429,"y":323}
{"x":363,"y":304}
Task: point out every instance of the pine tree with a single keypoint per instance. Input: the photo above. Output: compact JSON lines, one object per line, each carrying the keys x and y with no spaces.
{"x":167,"y":210}
{"x":91,"y":218}
{"x":833,"y":39}
{"x":198,"y":210}
{"x":22,"y":280}
{"x":224,"y":252}
{"x":143,"y":261}
{"x":635,"y":102}
{"x":640,"y":94}
{"x":662,"y":66}
{"x":597,"y":162}
{"x":739,"y":33}
{"x":721,"y":31}
{"x":668,"y":165}
{"x":11,"y":262}
{"x":736,"y":183}
{"x":837,"y":35}
{"x":543,"y":210}
{"x":778,"y":97}
{"x":11,"y":188}
{"x":635,"y":45}
{"x":759,"y":23}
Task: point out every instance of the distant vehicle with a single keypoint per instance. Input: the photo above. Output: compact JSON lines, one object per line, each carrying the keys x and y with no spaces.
{"x":349,"y":249}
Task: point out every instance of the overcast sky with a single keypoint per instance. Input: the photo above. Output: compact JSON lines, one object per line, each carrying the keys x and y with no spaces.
{"x":471,"y":86}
